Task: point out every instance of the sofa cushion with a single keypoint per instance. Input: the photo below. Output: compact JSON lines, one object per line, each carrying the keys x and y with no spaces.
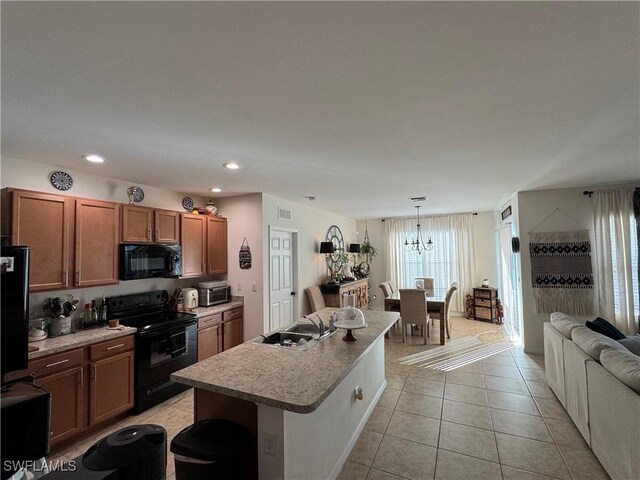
{"x":600,"y":325}
{"x":564,"y":323}
{"x":625,"y":366}
{"x":632,"y":343}
{"x":593,"y":343}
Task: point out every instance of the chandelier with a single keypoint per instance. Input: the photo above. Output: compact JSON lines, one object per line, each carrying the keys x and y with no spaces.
{"x":417,"y":244}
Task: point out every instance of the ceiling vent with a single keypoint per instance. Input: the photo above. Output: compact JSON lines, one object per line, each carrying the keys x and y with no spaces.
{"x":284,"y":213}
{"x":418,"y":199}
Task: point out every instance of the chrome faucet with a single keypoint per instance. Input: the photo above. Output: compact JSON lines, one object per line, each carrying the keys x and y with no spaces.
{"x":320,"y":324}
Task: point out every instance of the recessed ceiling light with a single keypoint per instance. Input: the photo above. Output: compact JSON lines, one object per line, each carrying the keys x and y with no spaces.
{"x":215,"y":189}
{"x":93,"y":158}
{"x":231,"y":165}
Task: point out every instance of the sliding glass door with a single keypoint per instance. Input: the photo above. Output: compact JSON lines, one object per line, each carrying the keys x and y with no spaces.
{"x":509,"y":280}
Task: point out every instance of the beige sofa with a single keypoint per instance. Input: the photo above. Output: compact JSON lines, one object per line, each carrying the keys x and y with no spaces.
{"x":604,"y":409}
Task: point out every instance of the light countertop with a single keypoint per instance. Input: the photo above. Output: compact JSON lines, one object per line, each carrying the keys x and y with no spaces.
{"x":78,"y":339}
{"x":213,"y":309}
{"x":282,"y":377}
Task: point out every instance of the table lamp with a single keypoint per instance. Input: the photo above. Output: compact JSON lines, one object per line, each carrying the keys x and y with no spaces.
{"x":327,"y":248}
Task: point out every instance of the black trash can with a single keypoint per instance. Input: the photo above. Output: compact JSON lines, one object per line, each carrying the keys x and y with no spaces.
{"x":210,"y":449}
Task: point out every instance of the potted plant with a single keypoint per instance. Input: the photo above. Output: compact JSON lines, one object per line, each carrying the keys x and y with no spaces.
{"x":368,"y":251}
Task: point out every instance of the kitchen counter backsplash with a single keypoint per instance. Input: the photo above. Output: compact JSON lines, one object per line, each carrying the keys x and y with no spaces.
{"x":213,"y":309}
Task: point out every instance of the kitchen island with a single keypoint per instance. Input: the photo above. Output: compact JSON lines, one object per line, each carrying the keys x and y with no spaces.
{"x":300,"y":407}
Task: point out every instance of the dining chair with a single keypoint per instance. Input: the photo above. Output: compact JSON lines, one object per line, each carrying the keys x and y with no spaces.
{"x":316,"y":300}
{"x":394,"y":287}
{"x":413,"y":311}
{"x":386,"y":289}
{"x":447,"y":303}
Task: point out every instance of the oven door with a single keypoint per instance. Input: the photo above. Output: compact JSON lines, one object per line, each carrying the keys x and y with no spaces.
{"x":150,"y":261}
{"x":162,"y":352}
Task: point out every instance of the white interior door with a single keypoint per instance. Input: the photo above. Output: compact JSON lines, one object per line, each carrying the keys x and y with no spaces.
{"x":281,"y":277}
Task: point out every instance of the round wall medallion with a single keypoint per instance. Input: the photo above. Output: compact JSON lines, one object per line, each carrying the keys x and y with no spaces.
{"x":363,"y":269}
{"x":136,"y":194}
{"x":61,"y":180}
{"x":334,"y":235}
{"x":187,"y":203}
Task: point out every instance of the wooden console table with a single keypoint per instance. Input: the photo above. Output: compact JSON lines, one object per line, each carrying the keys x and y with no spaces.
{"x":333,"y":293}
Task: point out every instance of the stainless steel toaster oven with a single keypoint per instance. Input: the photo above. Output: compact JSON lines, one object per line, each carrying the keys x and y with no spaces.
{"x":213,"y":296}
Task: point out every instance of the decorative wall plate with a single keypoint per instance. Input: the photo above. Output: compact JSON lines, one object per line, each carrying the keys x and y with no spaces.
{"x":363,"y":270}
{"x":187,"y":203}
{"x":136,"y":194}
{"x":61,"y":180}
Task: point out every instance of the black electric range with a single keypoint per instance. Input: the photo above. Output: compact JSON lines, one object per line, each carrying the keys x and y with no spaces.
{"x":165,"y":343}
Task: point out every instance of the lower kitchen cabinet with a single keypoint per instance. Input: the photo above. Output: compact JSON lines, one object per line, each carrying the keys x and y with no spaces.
{"x":67,"y":402}
{"x":209,"y":336}
{"x":232,"y":328}
{"x":88,"y":385}
{"x":111,"y":387}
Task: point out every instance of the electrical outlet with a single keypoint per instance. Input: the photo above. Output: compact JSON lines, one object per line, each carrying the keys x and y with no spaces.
{"x":239,"y":286}
{"x":254,"y":287}
{"x":270,"y":447}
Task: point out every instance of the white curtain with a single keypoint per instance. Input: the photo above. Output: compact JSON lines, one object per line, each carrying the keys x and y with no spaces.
{"x":616,"y":259}
{"x":451,"y":260}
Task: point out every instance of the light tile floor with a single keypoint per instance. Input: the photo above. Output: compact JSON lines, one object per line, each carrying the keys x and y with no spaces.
{"x":491,"y":419}
{"x":494,"y":418}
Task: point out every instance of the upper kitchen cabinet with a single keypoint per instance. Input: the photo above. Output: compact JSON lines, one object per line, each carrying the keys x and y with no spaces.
{"x":43,"y":222}
{"x":216,"y":245}
{"x":146,"y":225}
{"x":204,"y":245}
{"x":194,"y":245}
{"x":97,"y":233}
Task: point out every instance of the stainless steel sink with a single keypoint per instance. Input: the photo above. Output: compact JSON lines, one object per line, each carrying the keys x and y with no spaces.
{"x":308,"y":328}
{"x":290,"y":337}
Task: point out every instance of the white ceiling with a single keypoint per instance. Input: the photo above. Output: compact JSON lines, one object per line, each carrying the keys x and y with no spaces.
{"x":361,"y":105}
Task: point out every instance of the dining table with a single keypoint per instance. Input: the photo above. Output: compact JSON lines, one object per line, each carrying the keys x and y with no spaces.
{"x":435,"y":304}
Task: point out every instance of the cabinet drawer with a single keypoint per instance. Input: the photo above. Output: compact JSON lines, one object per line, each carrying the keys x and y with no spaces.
{"x":485,"y":294}
{"x":485,"y":303}
{"x":57,"y":363}
{"x":484,"y":313}
{"x":112,"y":347}
{"x":232,"y":314}
{"x":209,"y":320}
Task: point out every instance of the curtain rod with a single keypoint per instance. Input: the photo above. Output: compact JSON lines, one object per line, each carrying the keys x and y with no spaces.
{"x":434,"y":216}
{"x":588,"y":193}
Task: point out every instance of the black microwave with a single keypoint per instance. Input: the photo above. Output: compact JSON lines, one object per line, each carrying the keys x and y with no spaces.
{"x":150,"y":261}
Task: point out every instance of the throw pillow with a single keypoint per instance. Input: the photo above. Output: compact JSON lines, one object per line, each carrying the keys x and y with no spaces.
{"x":625,"y":366}
{"x":593,"y":343}
{"x":600,"y":325}
{"x":564,"y":323}
{"x":632,"y":343}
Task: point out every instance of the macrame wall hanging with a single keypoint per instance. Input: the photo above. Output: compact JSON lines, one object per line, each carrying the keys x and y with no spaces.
{"x":245,"y":255}
{"x":561,"y":271}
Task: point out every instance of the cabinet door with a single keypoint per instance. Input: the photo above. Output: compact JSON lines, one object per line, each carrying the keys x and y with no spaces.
{"x":137,"y":224}
{"x":194,"y":234}
{"x":167,"y":225}
{"x":67,"y":402}
{"x":216,"y":245}
{"x":209,"y":342}
{"x":43,"y":222}
{"x":232,"y":333}
{"x":111,"y":387}
{"x":96,"y":243}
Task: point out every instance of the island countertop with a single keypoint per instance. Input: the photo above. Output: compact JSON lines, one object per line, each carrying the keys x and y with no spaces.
{"x":286,"y":378}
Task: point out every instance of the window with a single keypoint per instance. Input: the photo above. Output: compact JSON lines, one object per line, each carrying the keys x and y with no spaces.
{"x":619,"y":267}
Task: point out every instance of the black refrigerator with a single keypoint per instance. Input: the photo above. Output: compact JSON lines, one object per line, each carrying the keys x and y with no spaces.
{"x":14,"y":271}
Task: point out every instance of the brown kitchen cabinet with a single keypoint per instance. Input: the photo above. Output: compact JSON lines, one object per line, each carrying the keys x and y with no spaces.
{"x":209,"y":336}
{"x":96,"y":245}
{"x":194,"y":248}
{"x":111,"y":387}
{"x":232,"y":328}
{"x":43,"y":222}
{"x":63,"y":375}
{"x":88,"y":385}
{"x":216,"y":245}
{"x":146,"y":225}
